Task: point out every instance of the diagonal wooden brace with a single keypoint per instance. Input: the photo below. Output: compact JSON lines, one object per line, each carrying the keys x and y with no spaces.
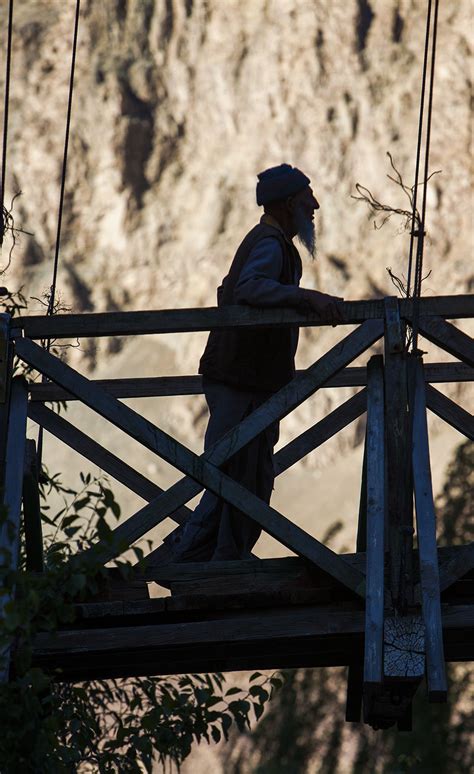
{"x":198,"y":468}
{"x":278,"y":405}
{"x":447,"y":336}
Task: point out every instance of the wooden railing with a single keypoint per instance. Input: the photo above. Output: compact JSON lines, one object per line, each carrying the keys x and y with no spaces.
{"x":396,"y":391}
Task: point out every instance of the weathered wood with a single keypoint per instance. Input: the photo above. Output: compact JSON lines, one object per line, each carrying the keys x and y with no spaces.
{"x":455,"y":564}
{"x":208,"y":475}
{"x":10,"y":529}
{"x":6,"y":363}
{"x":399,"y":491}
{"x":404,"y":647}
{"x":316,"y":435}
{"x":277,"y":406}
{"x":161,"y":386}
{"x":95,"y":453}
{"x":374,"y":604}
{"x":32,"y":511}
{"x":426,"y":528}
{"x":448,"y":337}
{"x":181,"y":320}
{"x":289,"y":637}
{"x":447,"y":409}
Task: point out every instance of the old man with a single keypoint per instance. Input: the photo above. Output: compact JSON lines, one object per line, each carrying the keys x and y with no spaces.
{"x":241,"y":368}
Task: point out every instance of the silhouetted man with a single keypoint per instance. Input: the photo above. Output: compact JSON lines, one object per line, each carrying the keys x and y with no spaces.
{"x":241,"y":368}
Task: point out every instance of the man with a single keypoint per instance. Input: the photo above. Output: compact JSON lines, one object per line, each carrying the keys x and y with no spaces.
{"x":242,"y":368}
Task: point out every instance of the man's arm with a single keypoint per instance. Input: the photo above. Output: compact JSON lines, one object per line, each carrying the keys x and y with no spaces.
{"x":258,"y":284}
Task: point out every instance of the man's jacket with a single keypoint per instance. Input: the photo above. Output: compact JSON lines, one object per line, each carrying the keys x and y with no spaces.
{"x":259,"y":359}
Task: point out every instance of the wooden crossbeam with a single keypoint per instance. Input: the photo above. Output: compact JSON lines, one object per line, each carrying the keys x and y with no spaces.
{"x":374,"y":605}
{"x":207,"y":474}
{"x":450,"y":338}
{"x":181,"y":320}
{"x":428,"y":556}
{"x":98,"y":455}
{"x":447,"y":409}
{"x":160,"y":386}
{"x":311,"y":635}
{"x":10,"y":530}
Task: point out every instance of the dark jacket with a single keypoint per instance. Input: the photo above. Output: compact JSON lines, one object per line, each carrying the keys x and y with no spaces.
{"x":253,"y":358}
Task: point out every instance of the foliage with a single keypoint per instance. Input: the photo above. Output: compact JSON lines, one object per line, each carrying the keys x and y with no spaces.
{"x":305,"y":722}
{"x":102,"y":725}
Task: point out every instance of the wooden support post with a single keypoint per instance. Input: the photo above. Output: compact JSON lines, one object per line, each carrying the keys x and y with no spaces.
{"x":374,"y":605}
{"x":399,"y":484}
{"x":6,"y":361}
{"x":428,"y":556}
{"x":32,"y":510}
{"x":10,"y":527}
{"x":355,"y":672}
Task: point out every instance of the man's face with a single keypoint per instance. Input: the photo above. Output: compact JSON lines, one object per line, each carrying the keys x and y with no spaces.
{"x":304,"y":205}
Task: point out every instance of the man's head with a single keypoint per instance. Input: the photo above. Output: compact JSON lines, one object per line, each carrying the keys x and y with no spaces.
{"x":286,"y":194}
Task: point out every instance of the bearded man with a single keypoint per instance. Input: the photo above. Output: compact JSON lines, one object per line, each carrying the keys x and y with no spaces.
{"x":242,"y":368}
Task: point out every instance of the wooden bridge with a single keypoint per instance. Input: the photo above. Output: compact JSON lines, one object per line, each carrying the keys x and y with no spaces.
{"x":393,"y":614}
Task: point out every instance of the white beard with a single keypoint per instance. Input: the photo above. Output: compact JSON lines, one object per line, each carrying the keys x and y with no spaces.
{"x":306,"y":231}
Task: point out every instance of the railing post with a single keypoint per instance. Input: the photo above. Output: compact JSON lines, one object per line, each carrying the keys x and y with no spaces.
{"x":6,"y":364}
{"x":399,"y":480}
{"x":10,"y":526}
{"x":32,"y":510}
{"x":427,"y":548}
{"x":375,"y":585}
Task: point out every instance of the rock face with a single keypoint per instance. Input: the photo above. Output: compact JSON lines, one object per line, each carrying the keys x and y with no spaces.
{"x":179,"y":103}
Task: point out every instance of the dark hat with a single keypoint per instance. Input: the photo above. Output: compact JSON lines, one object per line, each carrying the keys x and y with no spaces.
{"x":279,"y":183}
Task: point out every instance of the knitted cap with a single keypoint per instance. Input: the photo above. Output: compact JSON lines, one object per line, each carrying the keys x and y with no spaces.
{"x":279,"y":183}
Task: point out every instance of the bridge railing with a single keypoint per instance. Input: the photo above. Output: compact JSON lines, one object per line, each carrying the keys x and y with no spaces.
{"x":396,"y":391}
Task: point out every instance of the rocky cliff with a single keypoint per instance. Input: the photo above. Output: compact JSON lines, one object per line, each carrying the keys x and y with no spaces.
{"x":178,"y":104}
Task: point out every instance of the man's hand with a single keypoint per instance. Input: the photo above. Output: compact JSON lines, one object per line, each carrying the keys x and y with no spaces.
{"x":327,"y":307}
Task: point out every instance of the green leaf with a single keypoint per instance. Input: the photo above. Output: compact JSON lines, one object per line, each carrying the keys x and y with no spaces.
{"x":233,"y":691}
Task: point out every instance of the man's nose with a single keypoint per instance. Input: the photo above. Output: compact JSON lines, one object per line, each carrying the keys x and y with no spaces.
{"x":315,"y":203}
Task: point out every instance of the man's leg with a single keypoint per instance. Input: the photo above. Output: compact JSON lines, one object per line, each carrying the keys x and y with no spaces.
{"x":196,"y":539}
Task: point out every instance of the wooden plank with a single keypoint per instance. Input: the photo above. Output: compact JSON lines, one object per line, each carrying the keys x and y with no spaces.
{"x":399,"y":484}
{"x":455,"y":564}
{"x":450,"y":338}
{"x":10,"y":529}
{"x":160,"y":386}
{"x":447,"y":409}
{"x":32,"y":511}
{"x":319,"y":433}
{"x":98,"y":455}
{"x":181,"y":320}
{"x":199,"y":468}
{"x":428,"y":558}
{"x":257,"y":627}
{"x":374,"y":605}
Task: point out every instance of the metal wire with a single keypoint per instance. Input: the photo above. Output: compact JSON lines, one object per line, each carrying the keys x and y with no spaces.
{"x":421,"y":236}
{"x":5,"y":115}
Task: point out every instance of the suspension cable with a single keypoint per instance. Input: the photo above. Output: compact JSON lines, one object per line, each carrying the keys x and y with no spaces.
{"x":421,"y":236}
{"x":418,"y":146}
{"x":52,"y":292}
{"x":5,"y":116}
{"x":64,"y":167}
